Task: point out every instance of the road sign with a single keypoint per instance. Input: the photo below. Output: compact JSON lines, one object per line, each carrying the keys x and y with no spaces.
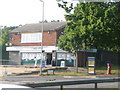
{"x":3,"y":77}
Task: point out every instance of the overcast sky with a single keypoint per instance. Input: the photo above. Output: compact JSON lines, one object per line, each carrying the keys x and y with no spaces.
{"x":16,"y":12}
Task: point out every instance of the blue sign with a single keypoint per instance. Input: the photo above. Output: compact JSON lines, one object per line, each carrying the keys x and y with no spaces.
{"x":43,"y":63}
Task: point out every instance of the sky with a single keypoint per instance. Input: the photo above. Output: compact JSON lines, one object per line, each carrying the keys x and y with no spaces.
{"x":21,"y":12}
{"x":16,"y":12}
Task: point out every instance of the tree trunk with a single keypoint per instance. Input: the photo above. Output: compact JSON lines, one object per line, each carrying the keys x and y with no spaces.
{"x":76,"y":61}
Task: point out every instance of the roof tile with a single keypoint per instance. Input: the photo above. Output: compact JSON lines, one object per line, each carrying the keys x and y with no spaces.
{"x":38,"y":27}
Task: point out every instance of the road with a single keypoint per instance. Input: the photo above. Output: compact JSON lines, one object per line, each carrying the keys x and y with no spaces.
{"x":33,"y":79}
{"x":100,"y":85}
{"x":13,"y":79}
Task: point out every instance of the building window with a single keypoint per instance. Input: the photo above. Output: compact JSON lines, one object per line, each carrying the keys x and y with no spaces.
{"x":29,"y":56}
{"x":31,"y":37}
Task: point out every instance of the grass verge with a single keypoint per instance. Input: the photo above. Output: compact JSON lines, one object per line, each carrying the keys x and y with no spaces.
{"x":99,"y":71}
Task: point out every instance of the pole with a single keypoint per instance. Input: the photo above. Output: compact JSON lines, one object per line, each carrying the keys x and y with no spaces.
{"x":76,"y":61}
{"x":96,"y":86}
{"x":1,"y":45}
{"x":42,"y":36}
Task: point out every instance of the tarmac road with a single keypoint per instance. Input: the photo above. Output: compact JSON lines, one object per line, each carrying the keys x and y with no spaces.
{"x":100,"y":85}
{"x":30,"y":79}
{"x":33,"y":79}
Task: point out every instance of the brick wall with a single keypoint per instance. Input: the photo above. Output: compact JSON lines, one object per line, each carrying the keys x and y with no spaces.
{"x":59,"y":32}
{"x":49,"y":39}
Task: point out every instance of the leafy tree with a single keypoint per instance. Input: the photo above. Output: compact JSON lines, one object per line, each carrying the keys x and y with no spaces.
{"x":4,"y":40}
{"x":56,"y":21}
{"x":45,"y":21}
{"x":92,"y":25}
{"x":4,"y":37}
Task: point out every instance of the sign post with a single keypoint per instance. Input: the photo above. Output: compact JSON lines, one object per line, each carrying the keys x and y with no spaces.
{"x":91,"y":65}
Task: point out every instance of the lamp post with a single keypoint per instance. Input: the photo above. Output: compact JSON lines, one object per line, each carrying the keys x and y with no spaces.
{"x":42,"y":36}
{"x":1,"y":45}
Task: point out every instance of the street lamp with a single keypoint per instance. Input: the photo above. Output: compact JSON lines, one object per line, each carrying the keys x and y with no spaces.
{"x":1,"y":45}
{"x":42,"y":36}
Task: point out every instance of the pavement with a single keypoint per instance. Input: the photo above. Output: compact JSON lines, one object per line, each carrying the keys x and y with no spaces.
{"x":12,"y":70}
{"x":21,"y":73}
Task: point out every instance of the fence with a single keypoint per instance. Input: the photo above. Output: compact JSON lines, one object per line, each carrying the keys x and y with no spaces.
{"x":101,"y":57}
{"x":73,"y":82}
{"x":8,"y":62}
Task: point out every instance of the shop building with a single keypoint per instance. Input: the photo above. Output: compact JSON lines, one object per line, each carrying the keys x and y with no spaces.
{"x":28,"y":42}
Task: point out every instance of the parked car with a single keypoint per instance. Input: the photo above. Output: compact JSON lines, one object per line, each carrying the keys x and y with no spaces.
{"x":14,"y":87}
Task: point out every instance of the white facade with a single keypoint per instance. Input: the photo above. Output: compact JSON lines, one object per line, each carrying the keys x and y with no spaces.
{"x":29,"y":52}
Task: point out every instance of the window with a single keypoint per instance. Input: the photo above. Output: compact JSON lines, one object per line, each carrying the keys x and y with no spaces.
{"x":31,"y":37}
{"x":31,"y":55}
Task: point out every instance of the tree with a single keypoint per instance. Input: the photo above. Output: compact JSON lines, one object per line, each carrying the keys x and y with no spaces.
{"x":4,"y":40}
{"x":92,"y":25}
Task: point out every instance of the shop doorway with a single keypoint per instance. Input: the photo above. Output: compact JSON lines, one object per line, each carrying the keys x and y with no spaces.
{"x":49,"y":59}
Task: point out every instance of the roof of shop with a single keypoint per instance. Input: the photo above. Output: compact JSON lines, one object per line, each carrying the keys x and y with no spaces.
{"x":38,"y":27}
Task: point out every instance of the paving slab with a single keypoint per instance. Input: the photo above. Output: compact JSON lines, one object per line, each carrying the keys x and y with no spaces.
{"x":16,"y":69}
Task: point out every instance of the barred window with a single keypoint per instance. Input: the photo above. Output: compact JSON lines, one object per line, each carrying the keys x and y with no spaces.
{"x":31,"y":37}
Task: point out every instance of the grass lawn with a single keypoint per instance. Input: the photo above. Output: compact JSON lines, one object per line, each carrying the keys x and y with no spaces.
{"x":66,"y":74}
{"x":114,"y":67}
{"x":102,"y":70}
{"x":99,"y":71}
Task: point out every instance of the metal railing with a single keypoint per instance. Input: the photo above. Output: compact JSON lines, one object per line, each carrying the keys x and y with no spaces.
{"x":8,"y":62}
{"x":73,"y":82}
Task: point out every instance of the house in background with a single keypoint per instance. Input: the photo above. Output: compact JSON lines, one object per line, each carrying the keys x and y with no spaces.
{"x":26,"y":44}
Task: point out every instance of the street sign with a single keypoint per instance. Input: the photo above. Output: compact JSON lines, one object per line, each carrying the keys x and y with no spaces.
{"x":50,"y":71}
{"x":4,"y":76}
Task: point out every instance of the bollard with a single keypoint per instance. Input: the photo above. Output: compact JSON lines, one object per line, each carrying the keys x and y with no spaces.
{"x":108,"y":68}
{"x":4,"y":76}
